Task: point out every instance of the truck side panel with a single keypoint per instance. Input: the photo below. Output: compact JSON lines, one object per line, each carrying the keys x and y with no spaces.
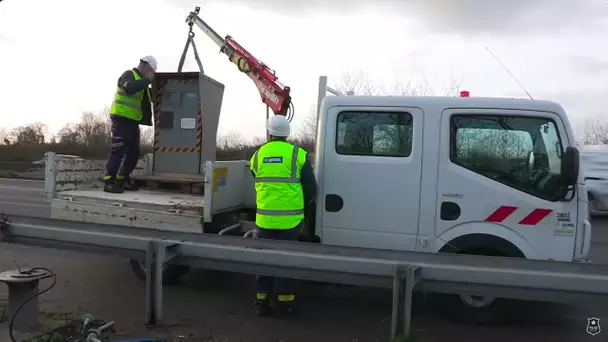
{"x":70,"y":174}
{"x":74,"y":187}
{"x":229,"y":186}
{"x":64,"y":209}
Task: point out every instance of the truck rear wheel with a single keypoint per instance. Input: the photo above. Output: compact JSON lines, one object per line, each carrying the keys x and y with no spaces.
{"x":172,"y":274}
{"x":472,"y":310}
{"x":476,"y":310}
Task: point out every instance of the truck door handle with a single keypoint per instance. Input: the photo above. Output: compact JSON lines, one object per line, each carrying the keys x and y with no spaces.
{"x":450,"y":211}
{"x":333,"y":203}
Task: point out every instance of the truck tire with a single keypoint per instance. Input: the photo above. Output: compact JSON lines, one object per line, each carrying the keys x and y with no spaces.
{"x":172,"y":274}
{"x":476,"y":310}
{"x":471,"y":310}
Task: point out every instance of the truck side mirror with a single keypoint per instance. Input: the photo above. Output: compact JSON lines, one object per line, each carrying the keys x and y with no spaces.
{"x":570,"y":166}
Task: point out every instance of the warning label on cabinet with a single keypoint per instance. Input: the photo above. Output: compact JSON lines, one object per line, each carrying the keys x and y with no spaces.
{"x":220,"y":177}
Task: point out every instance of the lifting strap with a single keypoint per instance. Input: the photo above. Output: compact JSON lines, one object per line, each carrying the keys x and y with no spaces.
{"x":190,"y":41}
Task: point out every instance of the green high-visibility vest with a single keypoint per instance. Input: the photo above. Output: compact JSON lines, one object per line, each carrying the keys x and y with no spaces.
{"x":128,"y":106}
{"x":277,"y":166}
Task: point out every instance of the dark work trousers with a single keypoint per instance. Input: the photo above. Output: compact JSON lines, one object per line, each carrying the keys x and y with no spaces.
{"x":279,"y":286}
{"x":125,"y":144}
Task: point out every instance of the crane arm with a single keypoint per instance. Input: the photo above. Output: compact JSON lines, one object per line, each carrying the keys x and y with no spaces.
{"x":274,"y":94}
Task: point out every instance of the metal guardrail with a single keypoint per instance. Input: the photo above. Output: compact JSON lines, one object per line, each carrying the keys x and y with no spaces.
{"x":402,"y":271}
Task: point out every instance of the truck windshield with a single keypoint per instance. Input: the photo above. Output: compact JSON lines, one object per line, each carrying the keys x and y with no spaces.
{"x":520,"y":152}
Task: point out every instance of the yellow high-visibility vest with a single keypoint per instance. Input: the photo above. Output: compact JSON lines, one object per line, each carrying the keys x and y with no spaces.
{"x":128,"y":106}
{"x":277,"y":166}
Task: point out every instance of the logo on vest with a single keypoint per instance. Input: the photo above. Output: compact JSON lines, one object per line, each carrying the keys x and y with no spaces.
{"x":593,"y":326}
{"x":272,"y":160}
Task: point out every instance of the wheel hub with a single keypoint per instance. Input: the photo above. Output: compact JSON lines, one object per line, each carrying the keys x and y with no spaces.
{"x":143,"y":266}
{"x":477,"y":302}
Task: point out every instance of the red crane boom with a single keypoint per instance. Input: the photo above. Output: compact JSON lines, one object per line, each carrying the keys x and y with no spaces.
{"x":274,"y":94}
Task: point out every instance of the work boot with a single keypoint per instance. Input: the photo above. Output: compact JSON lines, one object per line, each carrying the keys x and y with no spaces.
{"x":262,"y":305}
{"x":286,"y":310}
{"x":113,"y":187}
{"x":127,"y":184}
{"x":130,"y":186}
{"x":263,"y":309}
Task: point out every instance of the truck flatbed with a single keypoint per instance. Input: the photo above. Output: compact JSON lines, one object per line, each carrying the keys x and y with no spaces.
{"x":173,"y":177}
{"x":143,"y":199}
{"x":76,"y":195}
{"x":149,"y":209}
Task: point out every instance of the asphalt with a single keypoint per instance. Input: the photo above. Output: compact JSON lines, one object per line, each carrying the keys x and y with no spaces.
{"x":217,"y":307}
{"x":24,"y":197}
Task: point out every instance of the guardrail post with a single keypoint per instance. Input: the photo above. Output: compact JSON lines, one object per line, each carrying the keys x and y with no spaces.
{"x":405,"y":279}
{"x":154,"y":282}
{"x":158,"y":253}
{"x":50,"y":174}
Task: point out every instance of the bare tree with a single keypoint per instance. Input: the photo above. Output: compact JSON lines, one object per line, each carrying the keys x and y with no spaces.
{"x":231,"y":141}
{"x":453,"y":87}
{"x":89,"y":138}
{"x":355,"y":82}
{"x":69,"y":135}
{"x":147,"y":137}
{"x":94,"y":129}
{"x":258,"y":141}
{"x":3,"y":135}
{"x":409,"y":88}
{"x":358,"y":83}
{"x":308,"y":131}
{"x":31,"y":134}
{"x":234,"y":147}
{"x":595,"y":133}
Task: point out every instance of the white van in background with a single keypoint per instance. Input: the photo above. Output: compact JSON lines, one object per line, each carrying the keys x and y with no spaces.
{"x":594,"y":165}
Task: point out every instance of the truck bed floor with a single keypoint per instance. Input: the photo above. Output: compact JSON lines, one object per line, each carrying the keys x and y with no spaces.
{"x":148,"y":209}
{"x":145,"y":199}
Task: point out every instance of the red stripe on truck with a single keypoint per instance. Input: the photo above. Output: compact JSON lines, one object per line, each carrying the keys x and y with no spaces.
{"x":501,"y":214}
{"x":535,"y":217}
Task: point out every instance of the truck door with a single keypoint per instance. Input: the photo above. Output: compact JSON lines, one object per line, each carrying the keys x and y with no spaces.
{"x":370,"y":182}
{"x":498,"y":175}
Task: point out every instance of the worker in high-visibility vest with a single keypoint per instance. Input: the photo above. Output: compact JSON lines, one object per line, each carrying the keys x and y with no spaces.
{"x":284,"y":182}
{"x":132,"y":106}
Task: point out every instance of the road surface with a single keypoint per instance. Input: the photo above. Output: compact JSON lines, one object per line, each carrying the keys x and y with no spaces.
{"x":219,"y":308}
{"x":23,"y":197}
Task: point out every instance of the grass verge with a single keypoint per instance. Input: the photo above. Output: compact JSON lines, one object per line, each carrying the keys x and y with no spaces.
{"x":68,"y":332}
{"x":8,"y":174}
{"x":3,"y":315}
{"x":415,"y":336}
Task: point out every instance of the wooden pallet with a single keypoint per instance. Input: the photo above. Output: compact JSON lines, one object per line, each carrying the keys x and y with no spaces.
{"x":183,"y":183}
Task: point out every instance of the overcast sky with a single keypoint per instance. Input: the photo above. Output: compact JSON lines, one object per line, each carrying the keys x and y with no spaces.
{"x":60,"y":58}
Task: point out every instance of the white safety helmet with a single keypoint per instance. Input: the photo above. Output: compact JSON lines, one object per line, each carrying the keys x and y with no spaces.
{"x":151,"y":62}
{"x":278,"y":126}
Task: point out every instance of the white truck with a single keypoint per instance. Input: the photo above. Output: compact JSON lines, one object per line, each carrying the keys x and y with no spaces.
{"x":488,"y":176}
